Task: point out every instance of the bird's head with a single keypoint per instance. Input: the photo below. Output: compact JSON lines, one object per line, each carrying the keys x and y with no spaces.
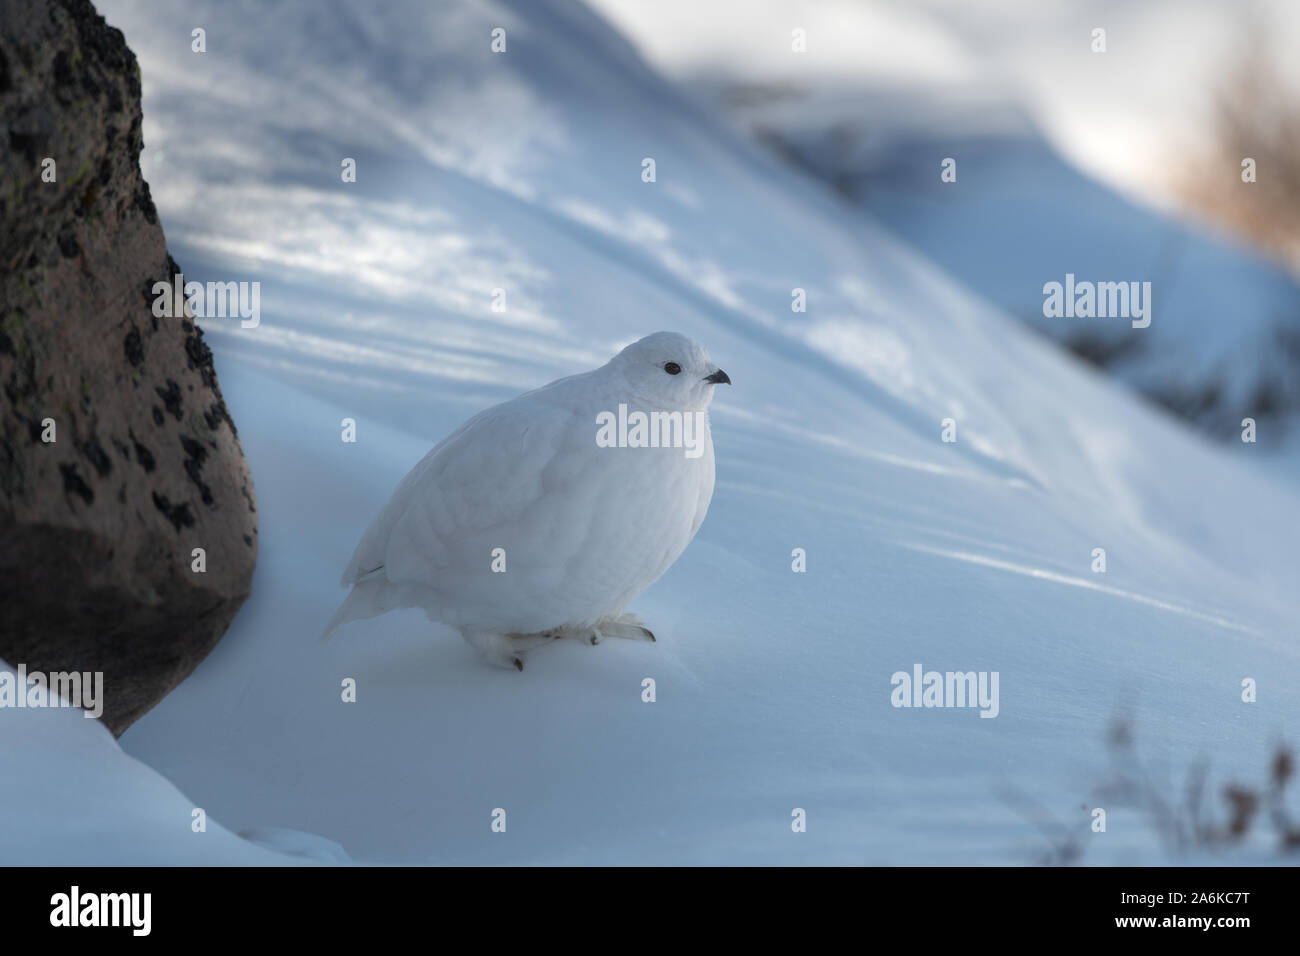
{"x":670,"y":370}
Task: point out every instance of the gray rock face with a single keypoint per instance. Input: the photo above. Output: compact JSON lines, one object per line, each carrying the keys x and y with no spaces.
{"x":98,"y":527}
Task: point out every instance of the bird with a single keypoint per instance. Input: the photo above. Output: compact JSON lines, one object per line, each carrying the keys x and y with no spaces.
{"x":543,"y":517}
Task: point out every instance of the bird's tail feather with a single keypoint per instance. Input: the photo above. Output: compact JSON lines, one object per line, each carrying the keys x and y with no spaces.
{"x":366,"y":599}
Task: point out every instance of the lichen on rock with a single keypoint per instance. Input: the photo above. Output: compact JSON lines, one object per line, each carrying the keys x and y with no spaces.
{"x":99,"y":526}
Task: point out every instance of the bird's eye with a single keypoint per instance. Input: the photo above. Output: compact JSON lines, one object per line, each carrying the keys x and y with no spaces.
{"x":672,"y":368}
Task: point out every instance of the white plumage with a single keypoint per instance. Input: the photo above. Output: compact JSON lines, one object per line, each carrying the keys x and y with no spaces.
{"x":583,"y":529}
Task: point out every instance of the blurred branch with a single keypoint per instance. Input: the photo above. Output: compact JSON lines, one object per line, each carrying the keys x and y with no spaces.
{"x":1256,"y":115}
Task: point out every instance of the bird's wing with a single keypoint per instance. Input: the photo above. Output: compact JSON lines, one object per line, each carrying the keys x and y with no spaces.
{"x":704,"y":492}
{"x":486,"y":474}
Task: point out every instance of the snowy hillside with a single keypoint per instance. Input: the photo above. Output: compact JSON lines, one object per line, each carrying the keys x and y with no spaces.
{"x":889,"y":90}
{"x":70,"y":795}
{"x":522,"y":171}
{"x":1224,"y":338}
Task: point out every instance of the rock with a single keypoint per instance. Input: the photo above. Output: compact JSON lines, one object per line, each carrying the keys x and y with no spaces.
{"x":98,"y":526}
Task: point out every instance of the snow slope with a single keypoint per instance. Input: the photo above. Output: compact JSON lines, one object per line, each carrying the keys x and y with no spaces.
{"x":888,"y":90}
{"x":522,"y":171}
{"x":69,"y":795}
{"x":1127,"y":116}
{"x":1224,"y":338}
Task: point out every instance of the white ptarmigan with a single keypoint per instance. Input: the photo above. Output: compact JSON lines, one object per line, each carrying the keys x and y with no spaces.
{"x":545,"y":516}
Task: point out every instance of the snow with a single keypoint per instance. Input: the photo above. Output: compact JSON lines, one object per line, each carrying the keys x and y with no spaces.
{"x":1131,"y":115}
{"x":889,"y":91}
{"x":1223,"y":321}
{"x":70,"y":795}
{"x":522,"y":171}
{"x":308,"y":846}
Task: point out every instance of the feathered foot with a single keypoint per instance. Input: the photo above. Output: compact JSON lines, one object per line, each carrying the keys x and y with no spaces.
{"x":627,"y":627}
{"x":508,"y":650}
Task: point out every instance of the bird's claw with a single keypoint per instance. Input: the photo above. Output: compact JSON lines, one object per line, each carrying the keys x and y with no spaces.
{"x":628,"y":627}
{"x":628,"y":630}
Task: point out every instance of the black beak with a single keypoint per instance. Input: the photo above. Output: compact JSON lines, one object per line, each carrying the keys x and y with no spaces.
{"x":718,"y":378}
